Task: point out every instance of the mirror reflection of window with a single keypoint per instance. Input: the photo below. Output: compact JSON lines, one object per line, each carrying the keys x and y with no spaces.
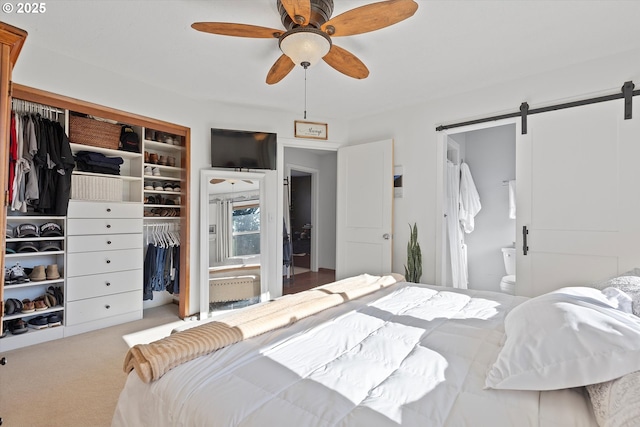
{"x":245,"y":230}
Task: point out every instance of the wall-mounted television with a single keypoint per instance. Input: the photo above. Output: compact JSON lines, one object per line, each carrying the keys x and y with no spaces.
{"x":240,"y":149}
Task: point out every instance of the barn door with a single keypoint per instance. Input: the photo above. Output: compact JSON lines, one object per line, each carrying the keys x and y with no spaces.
{"x":578,"y":197}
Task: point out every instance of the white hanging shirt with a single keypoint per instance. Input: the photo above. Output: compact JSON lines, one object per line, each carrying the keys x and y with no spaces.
{"x":469,"y":199}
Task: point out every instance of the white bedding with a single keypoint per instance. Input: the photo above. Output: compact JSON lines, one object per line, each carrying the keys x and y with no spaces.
{"x":412,"y":355}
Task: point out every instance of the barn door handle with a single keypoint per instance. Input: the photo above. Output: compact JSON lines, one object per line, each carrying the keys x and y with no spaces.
{"x":525,"y":233}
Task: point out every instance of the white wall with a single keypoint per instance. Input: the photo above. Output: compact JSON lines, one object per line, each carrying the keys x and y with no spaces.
{"x":40,"y":68}
{"x":413,"y":130}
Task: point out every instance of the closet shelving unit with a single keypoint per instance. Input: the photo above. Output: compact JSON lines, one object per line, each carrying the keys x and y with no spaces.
{"x":33,"y":289}
{"x":164,"y":145}
{"x":133,"y":180}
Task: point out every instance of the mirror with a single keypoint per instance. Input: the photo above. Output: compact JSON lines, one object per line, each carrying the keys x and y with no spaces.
{"x":232,"y":239}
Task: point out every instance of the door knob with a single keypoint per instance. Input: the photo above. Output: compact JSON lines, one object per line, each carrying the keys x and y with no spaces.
{"x":386,"y":236}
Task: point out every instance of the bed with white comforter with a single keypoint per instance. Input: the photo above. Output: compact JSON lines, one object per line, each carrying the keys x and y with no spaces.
{"x":408,"y":354}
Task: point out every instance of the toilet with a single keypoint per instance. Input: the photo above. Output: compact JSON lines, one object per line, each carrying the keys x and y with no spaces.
{"x":508,"y":282}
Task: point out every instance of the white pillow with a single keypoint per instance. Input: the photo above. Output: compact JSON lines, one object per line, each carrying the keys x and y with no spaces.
{"x":570,"y":337}
{"x":629,"y":283}
{"x":616,"y":403}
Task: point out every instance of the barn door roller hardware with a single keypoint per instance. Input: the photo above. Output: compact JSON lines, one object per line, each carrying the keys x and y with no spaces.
{"x":627,"y":93}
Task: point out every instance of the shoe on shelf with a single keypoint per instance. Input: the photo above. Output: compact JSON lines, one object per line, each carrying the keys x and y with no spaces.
{"x":17,"y":275}
{"x":147,"y":170}
{"x":49,"y":300}
{"x":17,"y":327}
{"x":5,"y":329}
{"x":37,"y":274}
{"x":52,"y":272}
{"x":176,"y":188}
{"x":54,"y":319}
{"x":153,"y":158}
{"x":155,"y":171}
{"x":39,"y":305}
{"x":28,"y":306}
{"x":38,"y":322}
{"x":9,"y":307}
{"x":168,"y":187}
{"x":148,"y":186}
{"x":158,"y":186}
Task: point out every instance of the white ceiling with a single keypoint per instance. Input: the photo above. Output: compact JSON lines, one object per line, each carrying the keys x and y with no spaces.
{"x":446,"y":48}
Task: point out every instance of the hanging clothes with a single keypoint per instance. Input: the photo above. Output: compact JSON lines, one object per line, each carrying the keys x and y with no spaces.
{"x":457,"y":248}
{"x":40,"y":165}
{"x":469,"y":199}
{"x":161,"y":268}
{"x":512,"y":199}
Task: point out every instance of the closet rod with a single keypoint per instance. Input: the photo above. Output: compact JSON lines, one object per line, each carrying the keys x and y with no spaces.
{"x":625,"y":93}
{"x":17,"y":103}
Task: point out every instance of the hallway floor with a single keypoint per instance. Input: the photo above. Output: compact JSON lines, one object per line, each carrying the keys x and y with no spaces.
{"x":307,"y":280}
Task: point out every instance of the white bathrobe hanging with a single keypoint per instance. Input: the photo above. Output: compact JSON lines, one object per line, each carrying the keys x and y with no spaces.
{"x":469,"y":199}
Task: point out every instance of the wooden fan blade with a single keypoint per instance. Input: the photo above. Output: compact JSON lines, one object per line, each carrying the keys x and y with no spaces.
{"x":217,"y":181}
{"x":346,"y":62}
{"x":370,"y":17}
{"x":237,"y":30}
{"x":299,"y":10}
{"x":280,"y":69}
{"x":248,"y":181}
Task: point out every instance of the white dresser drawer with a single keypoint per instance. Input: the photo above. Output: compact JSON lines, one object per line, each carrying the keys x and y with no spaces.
{"x":85,"y":209}
{"x":86,"y":263}
{"x":87,"y":310}
{"x":106,"y":242}
{"x":81,"y":226}
{"x":96,"y":285}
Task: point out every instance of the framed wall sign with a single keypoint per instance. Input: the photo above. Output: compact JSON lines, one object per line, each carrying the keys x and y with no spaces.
{"x":310,"y":130}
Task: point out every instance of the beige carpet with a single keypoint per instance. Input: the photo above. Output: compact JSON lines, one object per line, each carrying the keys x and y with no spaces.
{"x":75,"y":381}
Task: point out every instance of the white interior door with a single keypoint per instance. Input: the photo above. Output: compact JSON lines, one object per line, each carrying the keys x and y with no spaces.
{"x":578,"y":195}
{"x":364,"y":223}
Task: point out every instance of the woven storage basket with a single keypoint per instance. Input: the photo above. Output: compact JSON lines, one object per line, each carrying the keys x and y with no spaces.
{"x":96,"y":188}
{"x":94,"y":132}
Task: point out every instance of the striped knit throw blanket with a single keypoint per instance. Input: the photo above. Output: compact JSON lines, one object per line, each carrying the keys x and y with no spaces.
{"x":153,"y":360}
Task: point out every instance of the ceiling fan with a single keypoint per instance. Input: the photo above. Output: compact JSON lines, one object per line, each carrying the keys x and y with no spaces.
{"x":309,"y":29}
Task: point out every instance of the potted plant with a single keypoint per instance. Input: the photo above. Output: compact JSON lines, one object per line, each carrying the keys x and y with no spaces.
{"x":413,"y":269}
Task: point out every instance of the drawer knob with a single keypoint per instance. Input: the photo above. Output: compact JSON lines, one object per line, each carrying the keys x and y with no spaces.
{"x":108,"y":225}
{"x":108,"y":209}
{"x":108,"y":261}
{"x":108,"y":242}
{"x":108,"y":283}
{"x":107,"y":306}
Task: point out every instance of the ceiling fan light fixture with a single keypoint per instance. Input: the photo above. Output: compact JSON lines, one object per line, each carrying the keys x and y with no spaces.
{"x":305,"y":44}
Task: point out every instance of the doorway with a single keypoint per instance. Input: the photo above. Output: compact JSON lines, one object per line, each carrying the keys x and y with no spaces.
{"x":310,"y":199}
{"x":489,"y":154}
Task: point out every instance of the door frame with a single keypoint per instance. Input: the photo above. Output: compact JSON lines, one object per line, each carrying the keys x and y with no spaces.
{"x":315,"y":210}
{"x":441,"y":162}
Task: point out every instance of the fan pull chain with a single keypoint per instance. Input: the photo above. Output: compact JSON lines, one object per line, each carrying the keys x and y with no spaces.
{"x":305,"y":64}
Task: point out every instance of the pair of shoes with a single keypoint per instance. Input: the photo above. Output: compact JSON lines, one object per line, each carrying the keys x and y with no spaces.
{"x":15,"y":275}
{"x":17,"y":326}
{"x":149,"y":171}
{"x":40,"y":273}
{"x":12,"y":306}
{"x":42,"y":322}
